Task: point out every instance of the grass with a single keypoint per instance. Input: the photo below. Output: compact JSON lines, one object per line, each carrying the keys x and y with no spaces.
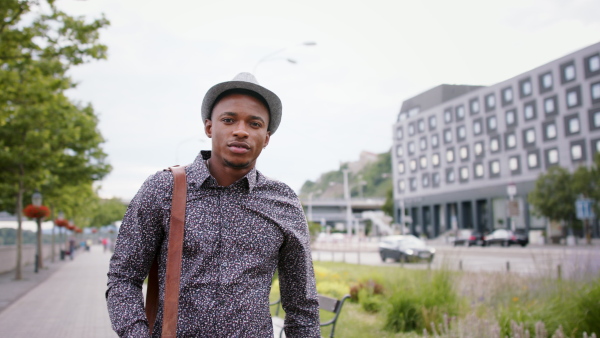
{"x":388,"y":301}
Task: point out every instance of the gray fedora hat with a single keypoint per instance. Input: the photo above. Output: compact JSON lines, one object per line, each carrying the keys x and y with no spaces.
{"x":244,"y":81}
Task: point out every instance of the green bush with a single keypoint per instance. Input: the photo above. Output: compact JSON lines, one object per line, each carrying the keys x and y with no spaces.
{"x":415,"y":307}
{"x":369,"y":302}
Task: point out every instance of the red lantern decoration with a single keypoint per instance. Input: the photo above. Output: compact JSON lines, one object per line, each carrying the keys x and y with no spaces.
{"x":32,"y":211}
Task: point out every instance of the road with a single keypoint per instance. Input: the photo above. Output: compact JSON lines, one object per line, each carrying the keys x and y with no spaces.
{"x":535,"y":260}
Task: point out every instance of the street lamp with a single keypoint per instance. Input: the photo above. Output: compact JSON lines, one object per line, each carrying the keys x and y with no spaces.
{"x":36,"y":200}
{"x":271,"y":55}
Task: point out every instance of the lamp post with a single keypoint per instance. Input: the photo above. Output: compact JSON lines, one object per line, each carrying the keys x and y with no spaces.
{"x":36,"y":200}
{"x":271,"y":55}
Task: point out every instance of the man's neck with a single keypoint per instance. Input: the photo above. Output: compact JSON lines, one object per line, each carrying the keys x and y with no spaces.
{"x":226,"y":175}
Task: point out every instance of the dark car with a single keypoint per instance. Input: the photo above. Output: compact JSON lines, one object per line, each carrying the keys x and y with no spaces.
{"x":405,"y":248}
{"x":506,"y":237}
{"x":468,"y":237}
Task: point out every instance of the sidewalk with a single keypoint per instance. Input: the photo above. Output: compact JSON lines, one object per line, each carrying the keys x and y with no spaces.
{"x":68,"y":300}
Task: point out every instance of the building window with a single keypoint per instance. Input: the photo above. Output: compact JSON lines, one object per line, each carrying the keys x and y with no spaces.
{"x":450,"y":175}
{"x":461,"y":133}
{"x":550,"y":131}
{"x":411,"y":147}
{"x":478,"y":149}
{"x":546,"y":82}
{"x":492,"y":123}
{"x":402,"y":116}
{"x":421,"y":126}
{"x":447,"y":135}
{"x":592,"y":65}
{"x":460,"y":112}
{"x":413,"y":111}
{"x":572,"y":125}
{"x":413,"y":165}
{"x":474,"y":106}
{"x":435,"y":141}
{"x":495,"y":144}
{"x":551,"y":106}
{"x":464,"y":174}
{"x":435,"y":180}
{"x":514,"y":165}
{"x":432,"y":122}
{"x":595,"y":146}
{"x":595,"y":92}
{"x":423,"y":143}
{"x":594,"y":119}
{"x":478,"y":170}
{"x":529,"y":111}
{"x":525,"y":87}
{"x":511,"y":140}
{"x":477,"y":128}
{"x":448,"y":115}
{"x":528,"y":137}
{"x":450,"y":155}
{"x":413,"y":184}
{"x":464,"y":153}
{"x":401,"y":168}
{"x":551,"y":157}
{"x":425,"y":180}
{"x":567,"y":72}
{"x":423,"y":162}
{"x":401,"y":186}
{"x":400,"y":151}
{"x":573,"y":97}
{"x":578,"y":152}
{"x":490,"y":102}
{"x":507,"y":96}
{"x":411,"y":129}
{"x":435,"y":160}
{"x":399,"y":133}
{"x":494,"y":168}
{"x":511,"y":118}
{"x":533,"y":159}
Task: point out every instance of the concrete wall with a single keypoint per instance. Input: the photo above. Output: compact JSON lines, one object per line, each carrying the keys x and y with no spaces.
{"x":8,"y":256}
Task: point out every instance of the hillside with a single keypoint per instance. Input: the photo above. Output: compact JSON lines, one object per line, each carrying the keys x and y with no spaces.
{"x":370,"y":177}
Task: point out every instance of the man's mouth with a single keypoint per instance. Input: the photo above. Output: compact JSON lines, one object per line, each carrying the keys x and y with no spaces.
{"x":238,"y":147}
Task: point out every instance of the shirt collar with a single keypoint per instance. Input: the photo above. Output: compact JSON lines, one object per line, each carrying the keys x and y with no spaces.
{"x":198,"y":173}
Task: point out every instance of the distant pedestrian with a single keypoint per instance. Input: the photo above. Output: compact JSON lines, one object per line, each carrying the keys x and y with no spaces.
{"x":239,"y":227}
{"x":105,"y":243}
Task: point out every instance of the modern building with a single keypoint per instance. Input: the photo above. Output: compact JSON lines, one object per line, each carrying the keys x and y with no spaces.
{"x":459,"y":151}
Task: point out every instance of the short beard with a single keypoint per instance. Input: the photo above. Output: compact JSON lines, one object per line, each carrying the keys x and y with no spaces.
{"x":236,"y":166}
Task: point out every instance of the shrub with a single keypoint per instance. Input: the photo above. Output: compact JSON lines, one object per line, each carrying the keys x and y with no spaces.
{"x":369,"y":302}
{"x":371,"y":287}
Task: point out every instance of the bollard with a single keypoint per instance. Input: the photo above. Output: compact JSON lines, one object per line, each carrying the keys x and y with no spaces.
{"x":35,"y":269}
{"x":460,"y":265}
{"x":507,"y":266}
{"x":559,"y":272}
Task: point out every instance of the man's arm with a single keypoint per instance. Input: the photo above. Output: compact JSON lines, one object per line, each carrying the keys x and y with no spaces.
{"x":140,"y":237}
{"x":298,"y":291}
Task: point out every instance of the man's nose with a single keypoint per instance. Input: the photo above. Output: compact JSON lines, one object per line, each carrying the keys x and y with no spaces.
{"x":240,"y":130}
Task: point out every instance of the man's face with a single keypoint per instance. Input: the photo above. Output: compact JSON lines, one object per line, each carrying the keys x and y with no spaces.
{"x":238,"y":128}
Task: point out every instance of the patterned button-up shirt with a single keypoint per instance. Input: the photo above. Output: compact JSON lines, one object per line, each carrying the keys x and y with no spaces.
{"x":234,"y":239}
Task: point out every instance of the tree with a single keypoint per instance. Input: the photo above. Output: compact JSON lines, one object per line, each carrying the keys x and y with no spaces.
{"x":46,"y":140}
{"x":388,"y":205}
{"x":554,"y":195}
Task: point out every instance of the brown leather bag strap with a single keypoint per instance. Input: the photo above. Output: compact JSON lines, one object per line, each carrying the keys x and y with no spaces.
{"x":174,"y":251}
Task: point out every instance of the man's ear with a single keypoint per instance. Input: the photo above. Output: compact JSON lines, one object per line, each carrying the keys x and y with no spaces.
{"x":267,"y":138}
{"x":208,"y":128}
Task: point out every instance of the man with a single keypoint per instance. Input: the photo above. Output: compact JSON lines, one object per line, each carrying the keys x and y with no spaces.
{"x":239,"y":227}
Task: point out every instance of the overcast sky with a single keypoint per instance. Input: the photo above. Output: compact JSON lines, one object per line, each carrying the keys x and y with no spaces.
{"x":342,"y":95}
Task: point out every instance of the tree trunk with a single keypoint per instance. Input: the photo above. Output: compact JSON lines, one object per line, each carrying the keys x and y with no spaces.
{"x":40,"y":255}
{"x":18,"y":212}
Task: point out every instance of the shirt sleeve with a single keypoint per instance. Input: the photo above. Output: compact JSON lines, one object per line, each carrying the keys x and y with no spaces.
{"x":298,"y":291}
{"x":139,"y":240}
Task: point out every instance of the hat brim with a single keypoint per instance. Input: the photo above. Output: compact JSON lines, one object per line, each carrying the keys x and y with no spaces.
{"x":272,"y":100}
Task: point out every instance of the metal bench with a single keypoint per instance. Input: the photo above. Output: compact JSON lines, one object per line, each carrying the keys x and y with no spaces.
{"x":325,"y":303}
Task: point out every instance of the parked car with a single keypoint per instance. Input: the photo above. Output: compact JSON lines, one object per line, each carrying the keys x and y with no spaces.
{"x":506,"y":237}
{"x":405,"y":248}
{"x":469,"y":237}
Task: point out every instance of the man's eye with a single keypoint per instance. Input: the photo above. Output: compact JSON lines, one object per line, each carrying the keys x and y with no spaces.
{"x":227,"y":120}
{"x":256,"y":124}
